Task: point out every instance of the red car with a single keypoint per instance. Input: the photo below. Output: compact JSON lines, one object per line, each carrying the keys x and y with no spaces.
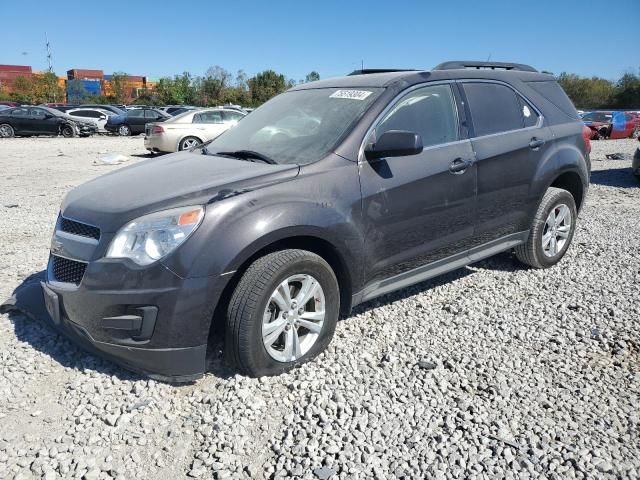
{"x":10,"y":104}
{"x":612,"y":124}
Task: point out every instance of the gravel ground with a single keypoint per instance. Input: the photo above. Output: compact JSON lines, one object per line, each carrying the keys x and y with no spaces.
{"x":492,"y":371}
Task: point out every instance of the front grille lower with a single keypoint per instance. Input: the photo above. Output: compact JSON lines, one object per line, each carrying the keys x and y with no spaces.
{"x":77,"y":228}
{"x":67,"y":271}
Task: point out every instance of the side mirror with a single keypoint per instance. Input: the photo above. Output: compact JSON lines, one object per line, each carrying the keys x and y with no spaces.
{"x":103,"y":117}
{"x":394,"y":143}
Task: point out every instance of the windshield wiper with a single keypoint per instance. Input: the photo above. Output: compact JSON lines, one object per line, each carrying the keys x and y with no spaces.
{"x":248,"y":155}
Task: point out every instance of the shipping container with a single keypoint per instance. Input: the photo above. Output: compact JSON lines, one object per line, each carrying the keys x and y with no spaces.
{"x":83,"y":74}
{"x":15,"y":68}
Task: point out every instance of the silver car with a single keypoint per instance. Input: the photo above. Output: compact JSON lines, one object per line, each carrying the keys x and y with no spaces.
{"x":189,"y":129}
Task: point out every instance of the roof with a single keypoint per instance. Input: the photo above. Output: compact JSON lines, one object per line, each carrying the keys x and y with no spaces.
{"x":446,"y":71}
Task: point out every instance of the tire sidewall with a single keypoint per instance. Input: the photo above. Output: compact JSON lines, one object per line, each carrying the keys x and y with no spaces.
{"x":562,"y":197}
{"x":11,"y":129}
{"x":124,"y":130}
{"x":67,"y":129}
{"x":182,"y":147}
{"x":259,"y":358}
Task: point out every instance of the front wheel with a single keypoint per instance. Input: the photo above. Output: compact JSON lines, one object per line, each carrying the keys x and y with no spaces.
{"x":282,"y":313}
{"x":551,"y":231}
{"x":124,"y":130}
{"x":67,"y":131}
{"x":6,"y":131}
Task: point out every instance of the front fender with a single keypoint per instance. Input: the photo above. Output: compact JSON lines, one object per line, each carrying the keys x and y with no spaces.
{"x":322,"y":202}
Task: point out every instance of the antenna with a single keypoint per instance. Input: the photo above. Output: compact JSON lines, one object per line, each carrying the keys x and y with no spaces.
{"x":361,"y":64}
{"x":49,"y":56}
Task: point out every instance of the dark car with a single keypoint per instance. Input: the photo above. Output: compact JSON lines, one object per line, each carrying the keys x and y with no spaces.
{"x":133,"y":121}
{"x":28,"y":121}
{"x":269,"y":234}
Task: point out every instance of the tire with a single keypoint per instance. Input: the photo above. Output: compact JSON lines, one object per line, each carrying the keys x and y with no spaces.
{"x":67,"y":131}
{"x":124,"y":130}
{"x":538,"y":252}
{"x":6,"y":131}
{"x":189,"y":142}
{"x":252,"y":307}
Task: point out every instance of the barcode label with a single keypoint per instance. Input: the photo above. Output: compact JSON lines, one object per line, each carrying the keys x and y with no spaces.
{"x":350,"y":94}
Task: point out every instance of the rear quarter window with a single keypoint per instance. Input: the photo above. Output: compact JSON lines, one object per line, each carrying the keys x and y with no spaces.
{"x":553,"y":92}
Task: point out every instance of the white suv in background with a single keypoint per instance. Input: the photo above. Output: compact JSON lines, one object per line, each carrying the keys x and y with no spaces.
{"x":189,"y":129}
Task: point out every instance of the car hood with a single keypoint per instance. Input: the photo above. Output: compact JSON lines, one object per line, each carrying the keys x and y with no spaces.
{"x":179,"y":179}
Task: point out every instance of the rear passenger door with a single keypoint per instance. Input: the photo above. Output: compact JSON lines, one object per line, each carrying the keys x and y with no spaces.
{"x":509,"y":141}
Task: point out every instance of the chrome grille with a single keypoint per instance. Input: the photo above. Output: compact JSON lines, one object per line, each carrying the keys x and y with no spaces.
{"x":81,"y":229}
{"x":67,"y":271}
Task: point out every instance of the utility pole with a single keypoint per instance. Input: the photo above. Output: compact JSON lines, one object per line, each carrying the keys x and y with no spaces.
{"x":50,"y":65}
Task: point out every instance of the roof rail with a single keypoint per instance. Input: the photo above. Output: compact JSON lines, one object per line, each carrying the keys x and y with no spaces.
{"x":463,"y":64}
{"x":368,"y":71}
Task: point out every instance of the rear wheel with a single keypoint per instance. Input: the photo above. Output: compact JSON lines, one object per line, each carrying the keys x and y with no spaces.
{"x":189,"y":142}
{"x":551,"y":231}
{"x":124,"y":130}
{"x":282,"y":313}
{"x":67,"y":131}
{"x":6,"y":131}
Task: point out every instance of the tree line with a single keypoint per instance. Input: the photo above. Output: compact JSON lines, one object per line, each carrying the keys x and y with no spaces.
{"x":599,"y":93}
{"x":219,"y":87}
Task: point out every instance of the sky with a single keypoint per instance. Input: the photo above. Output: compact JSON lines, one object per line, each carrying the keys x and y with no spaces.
{"x":163,"y":37}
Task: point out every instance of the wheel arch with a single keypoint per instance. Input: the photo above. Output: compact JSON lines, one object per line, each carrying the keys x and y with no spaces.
{"x":309,"y":242}
{"x":181,"y":138}
{"x":571,"y":182}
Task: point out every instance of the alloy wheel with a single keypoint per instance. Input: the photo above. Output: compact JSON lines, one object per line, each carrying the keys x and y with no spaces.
{"x":293,"y":318}
{"x":6,"y":131}
{"x":557,"y":229}
{"x":188,"y":143}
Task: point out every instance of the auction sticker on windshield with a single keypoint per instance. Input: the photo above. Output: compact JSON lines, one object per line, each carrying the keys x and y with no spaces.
{"x":351,"y":94}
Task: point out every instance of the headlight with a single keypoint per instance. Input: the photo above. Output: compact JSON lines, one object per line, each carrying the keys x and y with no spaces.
{"x":149,"y":238}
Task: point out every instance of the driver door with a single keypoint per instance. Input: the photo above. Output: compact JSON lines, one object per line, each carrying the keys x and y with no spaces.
{"x":42,"y":122}
{"x":417,"y":209}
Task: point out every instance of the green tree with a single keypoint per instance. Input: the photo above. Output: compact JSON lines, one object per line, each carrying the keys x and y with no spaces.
{"x":594,"y":92}
{"x":266,"y":85}
{"x":627,"y":91}
{"x":312,"y":76}
{"x":22,"y":90}
{"x":120,"y":88}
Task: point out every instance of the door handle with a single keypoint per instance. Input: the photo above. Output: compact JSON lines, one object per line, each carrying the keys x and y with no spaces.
{"x":536,"y":143}
{"x":459,"y":165}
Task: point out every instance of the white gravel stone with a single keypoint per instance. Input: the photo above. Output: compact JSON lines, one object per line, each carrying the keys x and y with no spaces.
{"x":492,"y":371}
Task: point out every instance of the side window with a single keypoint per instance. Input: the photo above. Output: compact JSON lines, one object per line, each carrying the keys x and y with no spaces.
{"x":494,"y":108}
{"x":429,"y":111}
{"x":150,"y":114}
{"x":208,"y":117}
{"x":19,"y":112}
{"x":135,"y":113}
{"x":81,"y":113}
{"x":529,"y":115}
{"x":231,"y":116}
{"x":36,"y":113}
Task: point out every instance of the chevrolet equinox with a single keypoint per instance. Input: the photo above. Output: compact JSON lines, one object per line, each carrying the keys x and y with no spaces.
{"x":328,"y":195}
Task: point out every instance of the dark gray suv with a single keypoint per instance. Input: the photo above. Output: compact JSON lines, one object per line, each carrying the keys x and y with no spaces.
{"x":331,"y":194}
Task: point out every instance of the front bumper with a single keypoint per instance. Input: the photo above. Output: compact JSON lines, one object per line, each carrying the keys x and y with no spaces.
{"x":179,"y":365}
{"x":112,"y":128}
{"x":148,"y":319}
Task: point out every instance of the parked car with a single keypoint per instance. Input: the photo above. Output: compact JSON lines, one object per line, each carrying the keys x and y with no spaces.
{"x":112,"y":108}
{"x":635,"y":163}
{"x":189,"y":129}
{"x":65,"y":108}
{"x":10,"y":104}
{"x":97,"y":116}
{"x":611,"y":124}
{"x":28,"y":121}
{"x":4,"y":107}
{"x":133,"y":121}
{"x":175,"y":113}
{"x":407,"y":175}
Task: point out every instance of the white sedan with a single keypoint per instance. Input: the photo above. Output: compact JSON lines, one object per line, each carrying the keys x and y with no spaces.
{"x":97,"y":116}
{"x":189,"y":129}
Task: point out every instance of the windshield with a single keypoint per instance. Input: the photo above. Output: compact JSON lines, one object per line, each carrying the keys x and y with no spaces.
{"x":300,"y":126}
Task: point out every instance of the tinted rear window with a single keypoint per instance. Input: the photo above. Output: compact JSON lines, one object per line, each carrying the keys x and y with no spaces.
{"x":494,"y":108}
{"x":553,"y":92}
